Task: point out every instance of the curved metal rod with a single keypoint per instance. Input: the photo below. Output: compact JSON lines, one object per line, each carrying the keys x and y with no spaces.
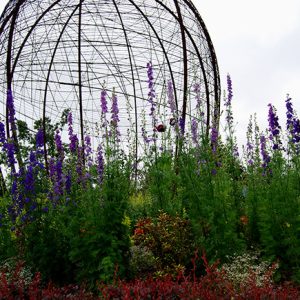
{"x":80,"y":81}
{"x":217,"y":85}
{"x":185,"y":67}
{"x":201,"y":65}
{"x":134,"y":88}
{"x":29,"y":33}
{"x":163,"y":49}
{"x":9,"y":79}
{"x":47,"y":83}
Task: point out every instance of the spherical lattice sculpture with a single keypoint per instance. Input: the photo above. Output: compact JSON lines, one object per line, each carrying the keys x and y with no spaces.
{"x":61,"y":54}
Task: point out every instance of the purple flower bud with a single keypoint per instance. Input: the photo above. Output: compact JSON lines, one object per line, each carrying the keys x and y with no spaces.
{"x":39,"y":138}
{"x":59,"y":145}
{"x":104,"y":102}
{"x":100,"y":164}
{"x":11,"y":110}
{"x":194,"y":128}
{"x":171,"y":99}
{"x":196,"y":89}
{"x":2,"y":133}
{"x":229,"y":91}
{"x":72,"y":137}
{"x":265,"y":156}
{"x":274,"y":127}
{"x":214,"y":139}
{"x":29,"y":181}
{"x":151,"y":93}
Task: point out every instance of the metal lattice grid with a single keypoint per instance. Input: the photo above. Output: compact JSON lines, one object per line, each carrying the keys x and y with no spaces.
{"x":57,"y":55}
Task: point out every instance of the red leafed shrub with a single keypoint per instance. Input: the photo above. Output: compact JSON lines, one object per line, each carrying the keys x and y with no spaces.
{"x":168,"y":239}
{"x":212,"y":286}
{"x":15,"y":287}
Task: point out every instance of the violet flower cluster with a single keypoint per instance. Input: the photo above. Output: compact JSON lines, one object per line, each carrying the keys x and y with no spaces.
{"x":88,"y":154}
{"x":274,"y":127}
{"x":194,"y":129}
{"x":214,"y":136}
{"x":115,"y":117}
{"x":72,"y":137}
{"x":151,"y":94}
{"x":100,"y":164}
{"x":197,"y":90}
{"x":11,"y":110}
{"x":263,"y":150}
{"x":293,"y":123}
{"x":171,"y":98}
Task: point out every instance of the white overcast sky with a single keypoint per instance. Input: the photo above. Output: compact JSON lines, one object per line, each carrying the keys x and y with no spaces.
{"x":258,"y":43}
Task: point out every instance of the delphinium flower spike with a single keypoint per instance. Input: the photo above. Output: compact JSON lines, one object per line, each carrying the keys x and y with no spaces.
{"x":265,"y":156}
{"x":115,"y":117}
{"x":293,"y":123}
{"x":72,"y":137}
{"x":100,"y":164}
{"x":274,"y":127}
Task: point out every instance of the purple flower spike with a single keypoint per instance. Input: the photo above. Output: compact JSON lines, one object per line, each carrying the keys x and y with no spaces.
{"x":274,"y":127}
{"x":29,"y":180}
{"x":59,"y":145}
{"x":265,"y":156}
{"x":2,"y":133}
{"x":115,"y":117}
{"x":196,"y":89}
{"x":115,"y":109}
{"x":72,"y":137}
{"x":214,"y":139}
{"x":104,"y":102}
{"x":100,"y":164}
{"x":181,"y":125}
{"x":229,"y":91}
{"x":39,"y":138}
{"x":151,"y":94}
{"x":289,"y":113}
{"x":292,"y":123}
{"x":11,"y":110}
{"x":194,"y":128}
{"x":171,"y":99}
{"x":10,"y":152}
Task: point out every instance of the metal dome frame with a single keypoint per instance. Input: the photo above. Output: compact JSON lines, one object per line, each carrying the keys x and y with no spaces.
{"x":21,"y":48}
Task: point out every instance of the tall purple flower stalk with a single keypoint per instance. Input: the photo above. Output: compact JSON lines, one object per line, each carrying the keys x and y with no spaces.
{"x":274,"y":127}
{"x":263,"y":150}
{"x":229,"y":91}
{"x":79,"y":165}
{"x":104,"y":102}
{"x":250,"y":143}
{"x":197,"y":90}
{"x":194,"y":129}
{"x":292,"y":124}
{"x":214,"y":135}
{"x":115,"y":117}
{"x":151,"y":94}
{"x":2,"y":133}
{"x":88,"y":154}
{"x":100,"y":165}
{"x":72,"y":137}
{"x":11,"y":110}
{"x":39,"y":138}
{"x":228,"y":106}
{"x":147,"y":140}
{"x":59,"y":180}
{"x":59,"y":145}
{"x":171,"y":98}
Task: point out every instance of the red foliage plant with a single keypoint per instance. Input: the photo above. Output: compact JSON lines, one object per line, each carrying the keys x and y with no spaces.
{"x":213,"y":286}
{"x":15,"y":288}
